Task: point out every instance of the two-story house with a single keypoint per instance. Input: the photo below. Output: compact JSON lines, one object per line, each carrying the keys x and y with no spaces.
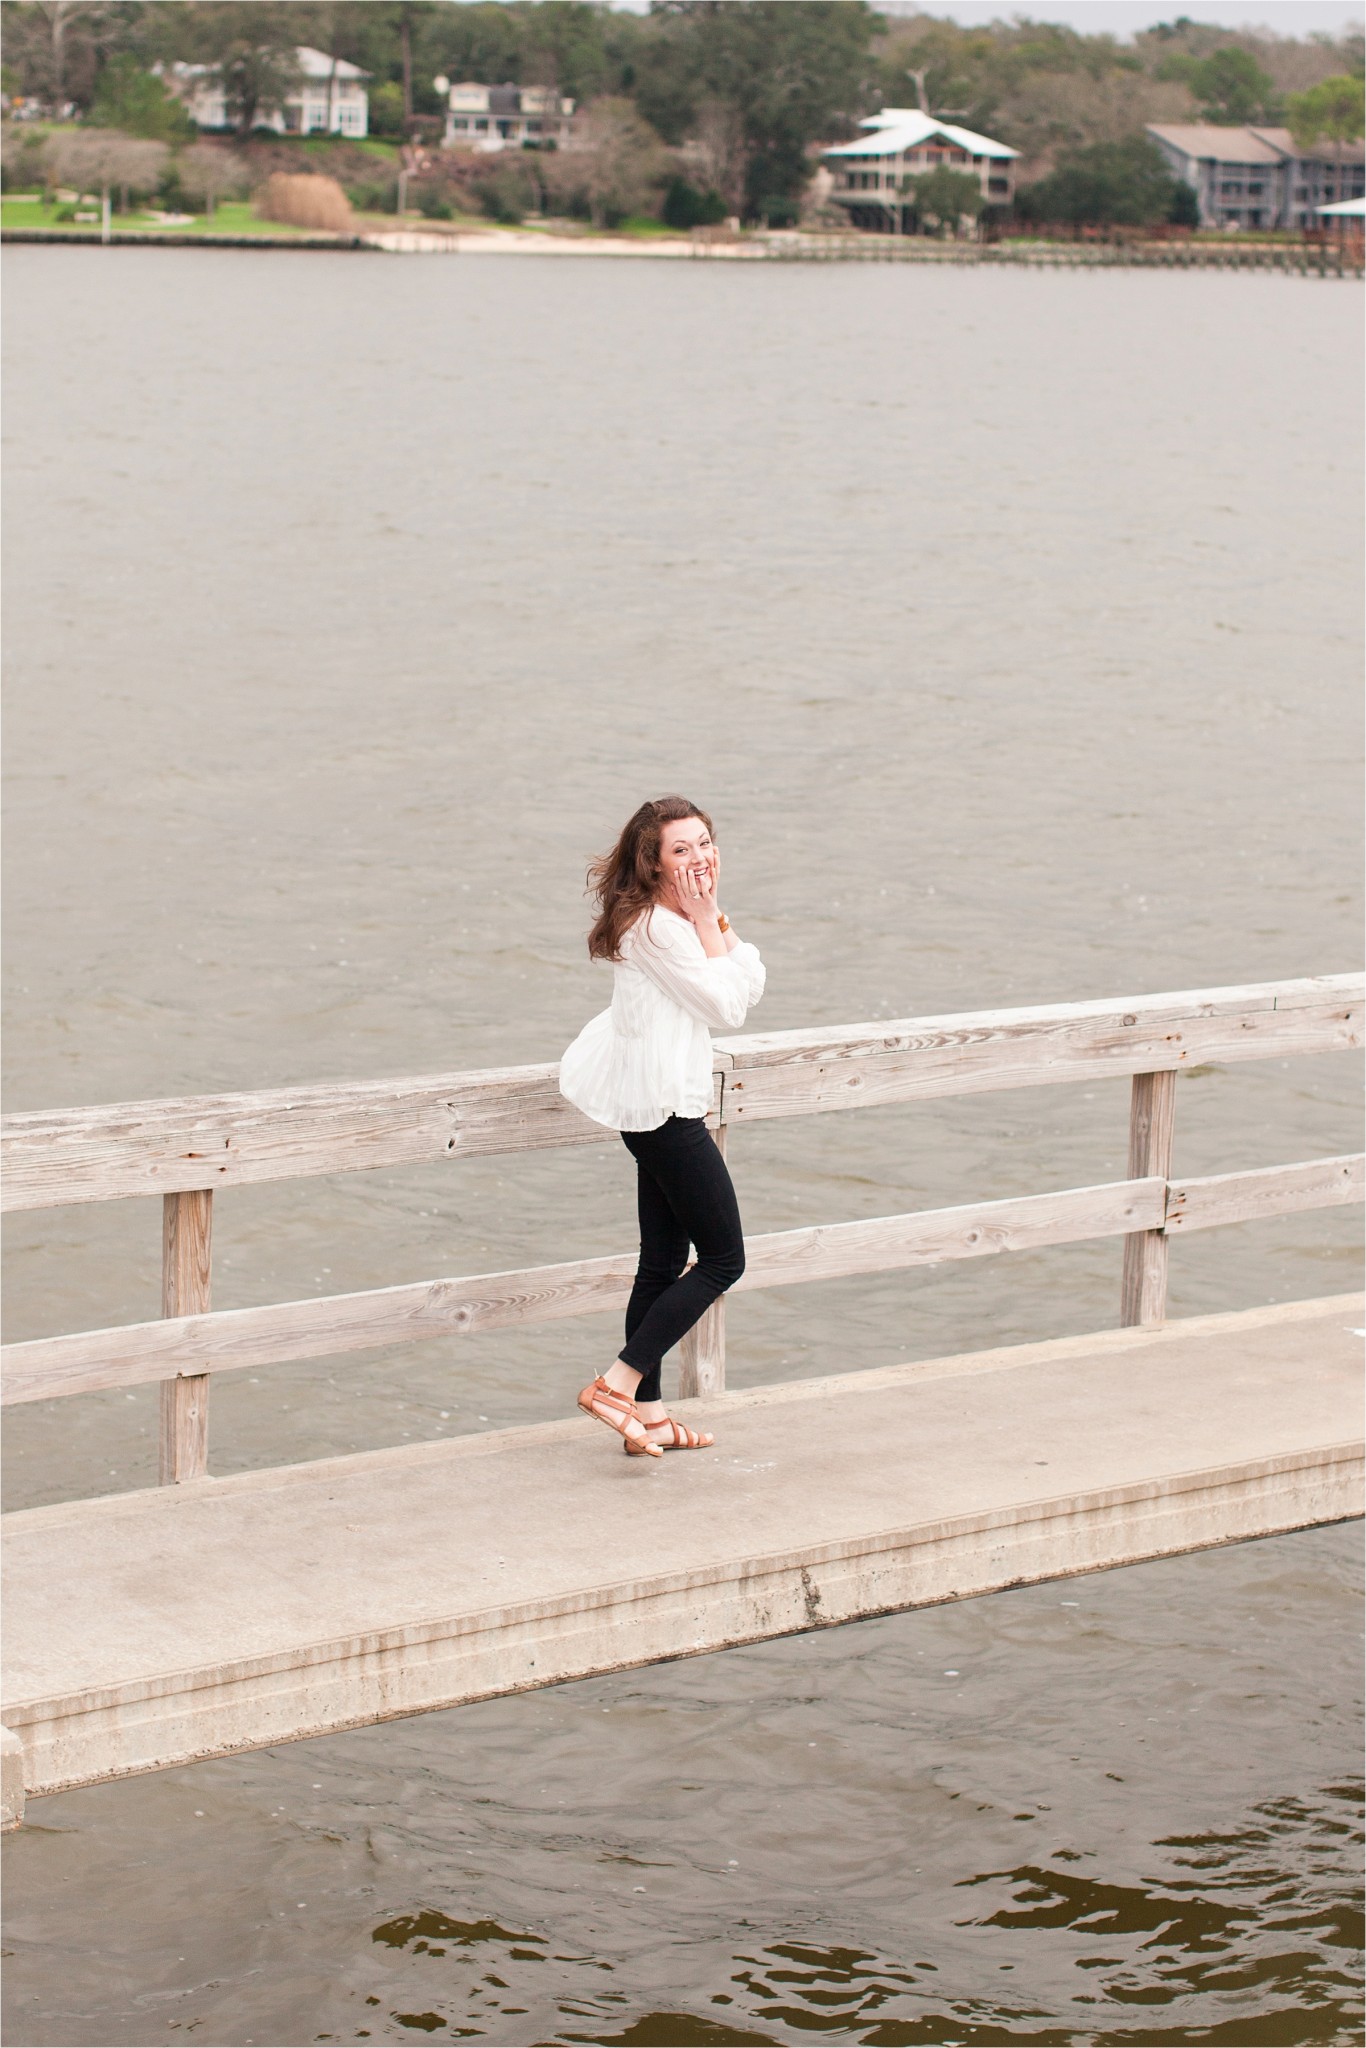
{"x":330,"y":98}
{"x":492,"y":117}
{"x":870,"y":174}
{"x":1259,"y":177}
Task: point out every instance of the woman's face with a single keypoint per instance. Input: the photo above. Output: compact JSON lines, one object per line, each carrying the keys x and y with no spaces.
{"x":685,"y":844}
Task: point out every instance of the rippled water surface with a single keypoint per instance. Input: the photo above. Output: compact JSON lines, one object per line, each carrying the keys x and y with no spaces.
{"x":1009,"y":626}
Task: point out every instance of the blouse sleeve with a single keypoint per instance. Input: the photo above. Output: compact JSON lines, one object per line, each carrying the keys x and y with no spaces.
{"x":718,"y":992}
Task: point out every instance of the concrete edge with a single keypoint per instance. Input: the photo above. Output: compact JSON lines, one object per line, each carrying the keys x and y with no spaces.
{"x":1090,"y":1534}
{"x":1058,"y":1350}
{"x":614,"y":1594}
{"x":11,"y":1780}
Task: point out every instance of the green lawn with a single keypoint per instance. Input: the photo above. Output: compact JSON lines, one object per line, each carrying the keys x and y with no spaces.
{"x":232,"y":217}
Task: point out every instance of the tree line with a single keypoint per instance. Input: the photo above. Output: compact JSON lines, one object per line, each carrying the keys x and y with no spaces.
{"x":703,"y":107}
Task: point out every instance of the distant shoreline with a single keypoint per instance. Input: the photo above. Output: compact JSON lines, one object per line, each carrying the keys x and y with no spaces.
{"x":782,"y":246}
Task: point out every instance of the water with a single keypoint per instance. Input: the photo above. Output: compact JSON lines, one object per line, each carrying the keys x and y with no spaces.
{"x":1008,"y":626}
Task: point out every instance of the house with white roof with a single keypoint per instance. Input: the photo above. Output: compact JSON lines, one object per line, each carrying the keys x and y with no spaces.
{"x":493,"y":117}
{"x":1259,"y":177}
{"x":330,"y":98}
{"x":901,"y":142}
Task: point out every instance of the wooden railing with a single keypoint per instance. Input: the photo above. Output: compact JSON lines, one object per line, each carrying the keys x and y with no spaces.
{"x":186,"y":1148}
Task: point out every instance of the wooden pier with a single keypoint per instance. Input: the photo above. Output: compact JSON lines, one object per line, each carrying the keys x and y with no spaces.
{"x":1341,"y":258}
{"x":208,"y":1615}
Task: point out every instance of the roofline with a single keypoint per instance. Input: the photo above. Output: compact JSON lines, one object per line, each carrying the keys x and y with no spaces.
{"x":963,"y":138}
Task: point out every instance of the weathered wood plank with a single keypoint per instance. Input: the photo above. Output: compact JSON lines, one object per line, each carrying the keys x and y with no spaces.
{"x":1152,"y":1114}
{"x":333,"y":1324}
{"x":114,"y":1150}
{"x":907,"y":1034}
{"x":138,"y":1148}
{"x":186,"y":1267}
{"x":928,"y":1237}
{"x":796,"y":1073}
{"x":1266,"y":1191}
{"x":236,"y":1338}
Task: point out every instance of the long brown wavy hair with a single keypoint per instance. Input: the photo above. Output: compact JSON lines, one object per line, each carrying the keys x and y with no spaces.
{"x":626,"y":881}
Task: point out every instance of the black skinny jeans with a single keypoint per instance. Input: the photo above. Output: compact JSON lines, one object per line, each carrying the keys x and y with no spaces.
{"x":685,"y":1197}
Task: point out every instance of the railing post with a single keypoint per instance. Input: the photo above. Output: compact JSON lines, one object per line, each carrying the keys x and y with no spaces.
{"x":1152,"y":1110}
{"x":186,"y":1252}
{"x":702,"y":1354}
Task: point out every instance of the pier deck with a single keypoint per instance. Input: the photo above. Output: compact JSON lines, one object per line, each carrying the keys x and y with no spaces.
{"x":149,"y":1629}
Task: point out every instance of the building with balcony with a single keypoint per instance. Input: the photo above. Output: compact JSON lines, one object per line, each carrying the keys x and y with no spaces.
{"x":1259,"y":177}
{"x":330,"y":98}
{"x":492,"y":117}
{"x":870,"y":175}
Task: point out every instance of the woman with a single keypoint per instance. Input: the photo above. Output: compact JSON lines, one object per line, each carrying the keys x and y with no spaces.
{"x":644,"y":1068}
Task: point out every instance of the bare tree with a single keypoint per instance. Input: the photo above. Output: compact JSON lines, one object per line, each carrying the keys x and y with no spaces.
{"x":52,"y":47}
{"x":60,"y":17}
{"x":715,"y":152}
{"x":1052,"y":111}
{"x":614,"y":161}
{"x":98,"y":159}
{"x":210,"y":173}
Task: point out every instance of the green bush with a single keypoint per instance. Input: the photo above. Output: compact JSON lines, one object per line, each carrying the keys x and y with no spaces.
{"x":686,"y":207}
{"x":1108,"y":184}
{"x":386,"y":109}
{"x":505,"y":193}
{"x":433,"y":205}
{"x":1184,"y":211}
{"x":945,"y":196}
{"x":378,"y":195}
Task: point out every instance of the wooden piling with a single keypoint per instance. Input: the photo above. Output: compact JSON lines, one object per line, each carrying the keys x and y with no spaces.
{"x":186,"y":1254}
{"x":1152,"y":1110}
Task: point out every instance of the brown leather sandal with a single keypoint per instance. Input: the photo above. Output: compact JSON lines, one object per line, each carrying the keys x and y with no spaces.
{"x":682,"y":1439}
{"x":620,"y":1412}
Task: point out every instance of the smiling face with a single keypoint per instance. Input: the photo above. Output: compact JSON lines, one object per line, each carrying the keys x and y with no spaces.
{"x":685,"y":843}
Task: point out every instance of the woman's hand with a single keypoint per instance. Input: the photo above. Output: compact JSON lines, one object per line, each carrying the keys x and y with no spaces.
{"x":694,"y":891}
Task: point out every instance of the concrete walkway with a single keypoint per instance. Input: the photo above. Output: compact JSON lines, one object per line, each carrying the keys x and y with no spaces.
{"x":148,"y":1629}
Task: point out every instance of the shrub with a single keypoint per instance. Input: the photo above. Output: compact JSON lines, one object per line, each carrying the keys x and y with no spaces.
{"x":386,"y":109}
{"x":505,"y":193}
{"x":433,"y":206}
{"x":305,"y":201}
{"x":945,"y":196}
{"x":1108,"y":184}
{"x":1184,"y":211}
{"x":686,"y":207}
{"x":379,"y":195}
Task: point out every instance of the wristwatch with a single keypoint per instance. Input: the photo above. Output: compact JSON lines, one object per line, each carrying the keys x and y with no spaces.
{"x":722,"y":921}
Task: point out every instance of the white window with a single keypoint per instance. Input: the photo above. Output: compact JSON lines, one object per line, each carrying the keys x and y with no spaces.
{"x":460,"y":122}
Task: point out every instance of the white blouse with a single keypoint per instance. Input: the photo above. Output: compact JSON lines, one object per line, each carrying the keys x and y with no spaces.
{"x":649,"y":1056}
